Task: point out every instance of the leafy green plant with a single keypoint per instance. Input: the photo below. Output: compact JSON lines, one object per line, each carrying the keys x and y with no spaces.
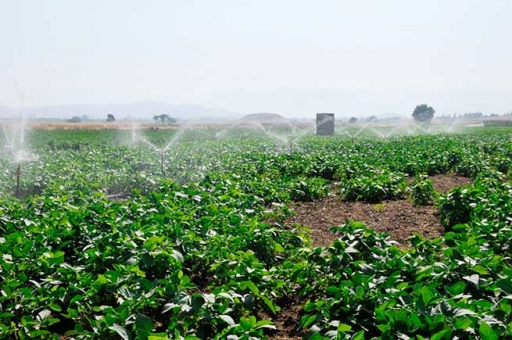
{"x":101,"y":245}
{"x":374,"y":186}
{"x":455,"y":208}
{"x":422,"y":191}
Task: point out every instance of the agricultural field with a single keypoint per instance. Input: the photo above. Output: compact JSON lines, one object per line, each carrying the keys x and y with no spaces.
{"x":252,"y":233}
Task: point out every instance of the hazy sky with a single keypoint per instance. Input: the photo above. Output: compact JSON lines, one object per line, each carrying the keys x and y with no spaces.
{"x":291,"y":56}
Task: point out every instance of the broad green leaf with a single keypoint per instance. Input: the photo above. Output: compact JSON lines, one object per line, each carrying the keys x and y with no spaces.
{"x":197,"y":302}
{"x":486,"y":332}
{"x":360,"y":293}
{"x":168,"y":307}
{"x":358,"y":336}
{"x":309,"y":306}
{"x":332,"y":290}
{"x":181,"y":195}
{"x":457,"y":288}
{"x":249,"y":284}
{"x":153,"y":241}
{"x":126,"y":292}
{"x":39,"y":334}
{"x":144,"y":325}
{"x":45,"y":313}
{"x":246,"y":323}
{"x":146,"y":284}
{"x":307,"y":320}
{"x":55,"y":307}
{"x":228,"y":319}
{"x":158,"y":336}
{"x":505,"y":285}
{"x":177,"y":255}
{"x":464,"y":311}
{"x":279,"y":248}
{"x":416,"y":321}
{"x":445,"y":334}
{"x":121,"y":331}
{"x":264,"y":324}
{"x":76,"y":298}
{"x":400,"y":315}
{"x":316,"y":336}
{"x":463,"y":323}
{"x":273,"y":308}
{"x":331,"y":334}
{"x":474,"y":279}
{"x":344,"y":328}
{"x":480,"y":270}
{"x":426,"y":295}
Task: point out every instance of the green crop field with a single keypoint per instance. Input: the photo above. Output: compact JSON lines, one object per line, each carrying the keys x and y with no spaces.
{"x":182,"y":234}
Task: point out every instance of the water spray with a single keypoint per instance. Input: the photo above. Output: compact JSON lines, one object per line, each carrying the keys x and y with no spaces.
{"x":162,"y":161}
{"x":18,"y":174}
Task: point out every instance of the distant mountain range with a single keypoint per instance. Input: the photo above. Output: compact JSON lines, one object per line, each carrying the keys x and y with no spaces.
{"x":144,"y":110}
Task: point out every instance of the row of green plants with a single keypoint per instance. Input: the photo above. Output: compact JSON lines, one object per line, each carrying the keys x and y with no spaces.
{"x":205,"y":253}
{"x":111,"y":162}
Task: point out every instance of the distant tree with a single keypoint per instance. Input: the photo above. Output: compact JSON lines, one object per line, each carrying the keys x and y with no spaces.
{"x":423,"y":113}
{"x":352,"y":120}
{"x":470,"y":115}
{"x":371,"y":119}
{"x":111,"y":118}
{"x":75,"y":119}
{"x":164,"y":119}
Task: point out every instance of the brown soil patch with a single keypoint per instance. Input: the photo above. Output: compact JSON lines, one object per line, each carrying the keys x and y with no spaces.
{"x":443,"y":183}
{"x":287,"y":323}
{"x":400,"y":219}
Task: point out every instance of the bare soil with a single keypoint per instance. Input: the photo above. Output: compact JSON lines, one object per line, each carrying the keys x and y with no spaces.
{"x":400,"y":219}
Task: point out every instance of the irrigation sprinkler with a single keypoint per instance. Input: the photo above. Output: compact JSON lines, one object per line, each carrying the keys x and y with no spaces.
{"x":162,"y":161}
{"x":160,"y":151}
{"x":18,"y":174}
